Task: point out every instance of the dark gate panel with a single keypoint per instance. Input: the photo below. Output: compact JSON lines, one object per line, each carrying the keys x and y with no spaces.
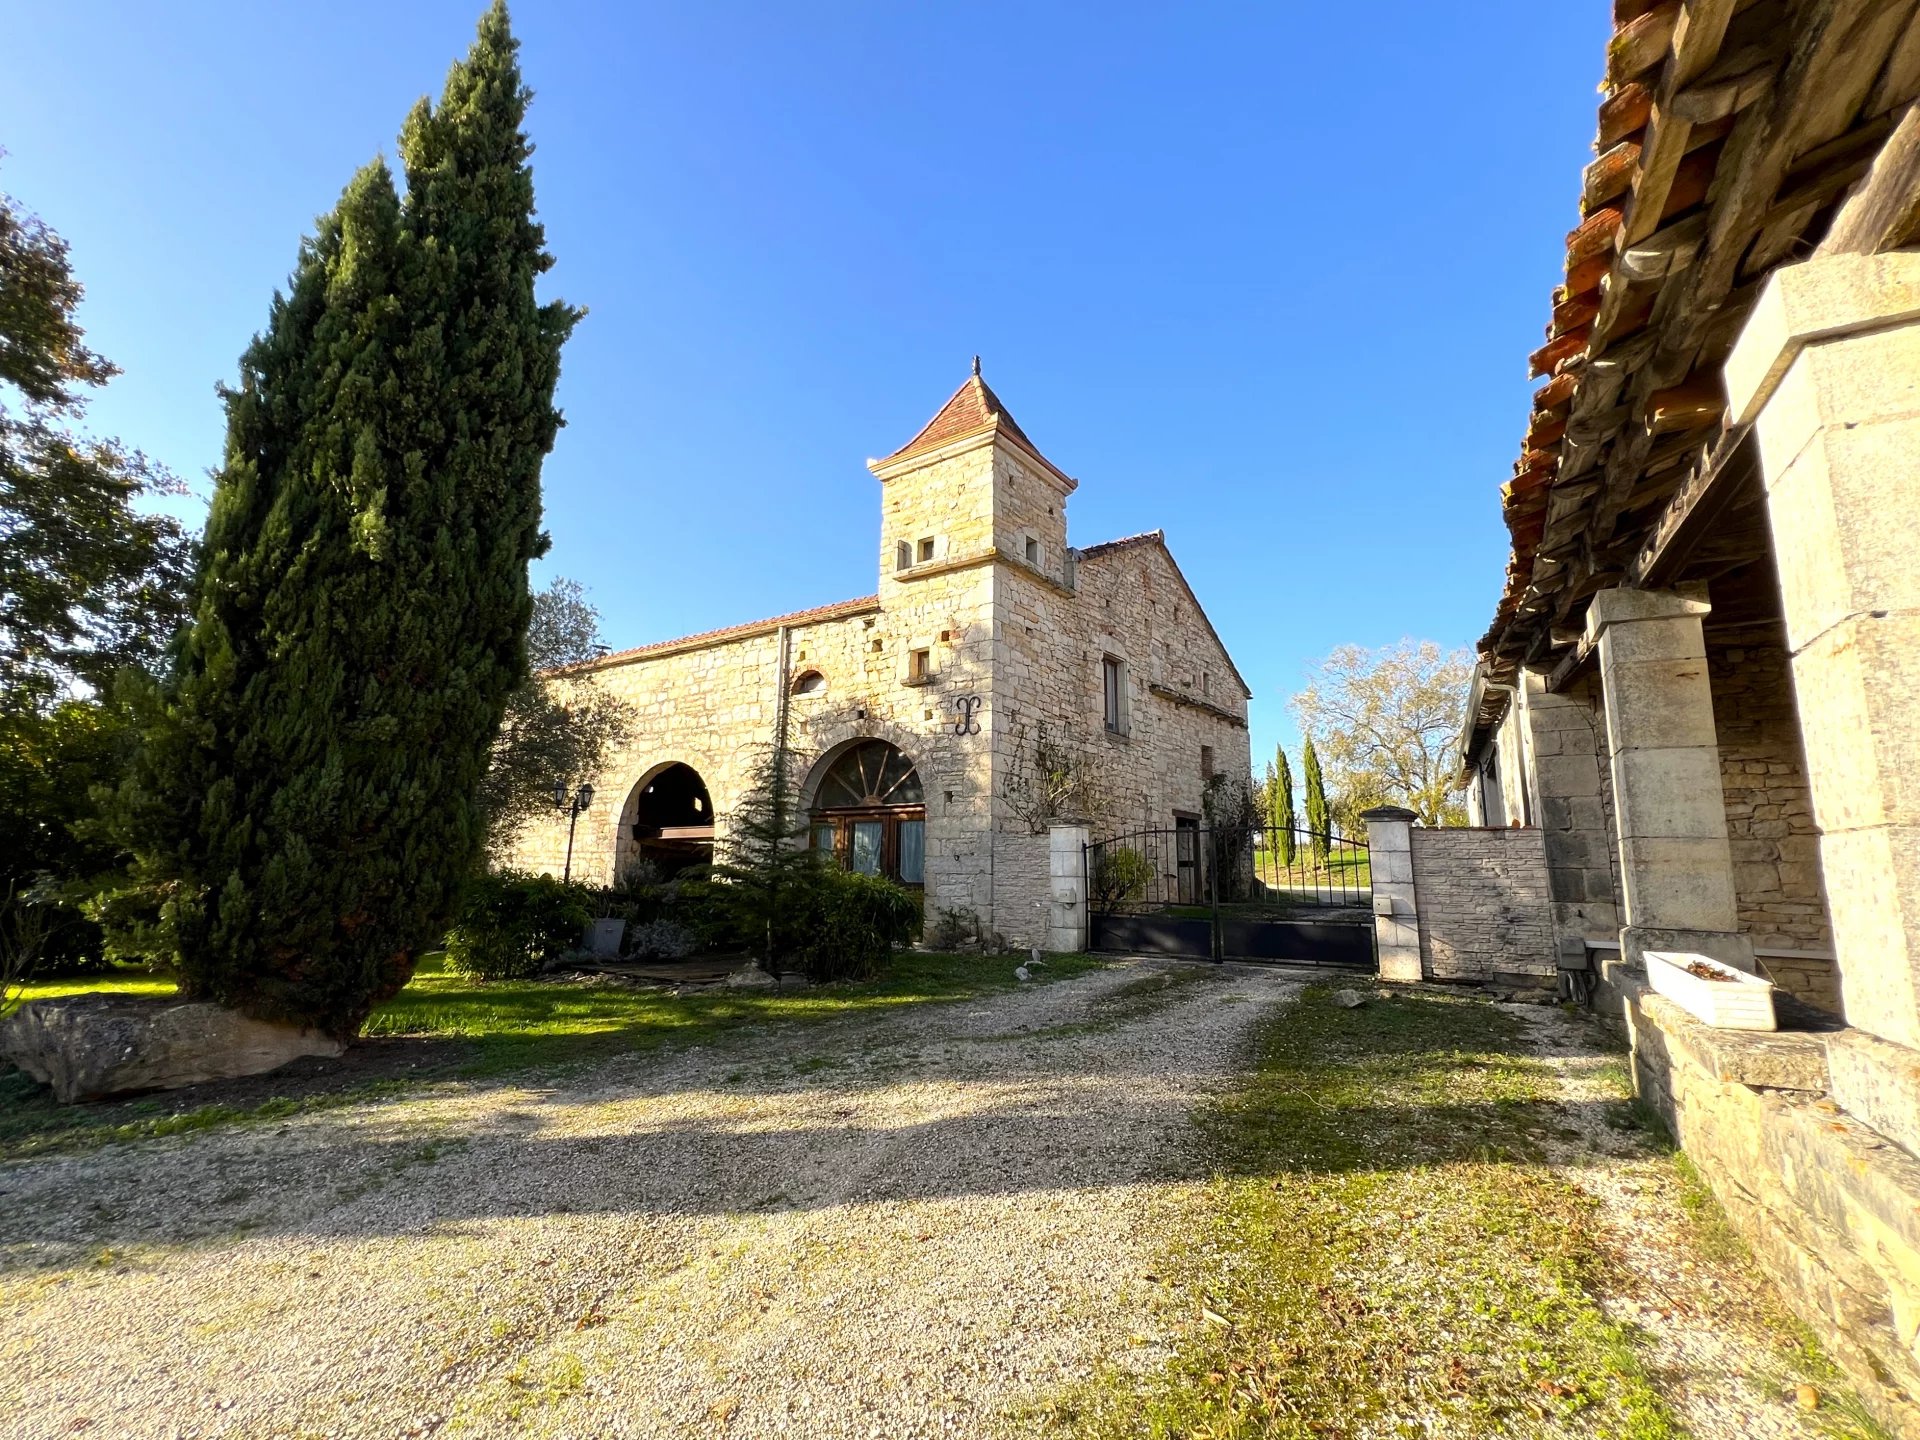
{"x":1201,"y":892}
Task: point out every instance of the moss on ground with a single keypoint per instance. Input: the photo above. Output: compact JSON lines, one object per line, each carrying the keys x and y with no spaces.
{"x":1383,"y":1251}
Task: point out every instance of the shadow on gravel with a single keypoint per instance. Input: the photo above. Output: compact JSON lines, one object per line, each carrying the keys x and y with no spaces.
{"x":1388,"y":1086}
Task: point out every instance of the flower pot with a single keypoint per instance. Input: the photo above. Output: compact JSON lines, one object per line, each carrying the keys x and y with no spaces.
{"x":1738,"y":1001}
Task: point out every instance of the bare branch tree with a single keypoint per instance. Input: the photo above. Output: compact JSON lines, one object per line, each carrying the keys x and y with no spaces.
{"x":1384,"y":722}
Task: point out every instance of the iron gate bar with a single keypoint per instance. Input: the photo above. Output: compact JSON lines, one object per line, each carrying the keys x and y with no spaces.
{"x":1215,"y":893}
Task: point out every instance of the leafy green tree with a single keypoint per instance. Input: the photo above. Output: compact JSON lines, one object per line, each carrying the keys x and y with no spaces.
{"x":88,"y":581}
{"x":308,"y":803}
{"x":555,"y":728}
{"x":1280,"y":812}
{"x":1319,"y":816}
{"x":51,"y":759}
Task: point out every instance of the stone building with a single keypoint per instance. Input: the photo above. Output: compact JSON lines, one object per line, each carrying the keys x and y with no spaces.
{"x":936,"y":719}
{"x":1698,"y":688}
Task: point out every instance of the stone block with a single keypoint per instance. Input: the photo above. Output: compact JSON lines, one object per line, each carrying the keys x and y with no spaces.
{"x":1678,"y":883}
{"x":91,"y":1047}
{"x":1670,"y":792}
{"x":1659,"y":704}
{"x":1569,"y":776}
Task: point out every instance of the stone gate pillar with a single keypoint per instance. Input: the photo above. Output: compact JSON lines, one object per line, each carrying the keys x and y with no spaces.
{"x":1396,"y":912}
{"x":1828,"y":373}
{"x":1670,"y":820}
{"x":1067,"y":879}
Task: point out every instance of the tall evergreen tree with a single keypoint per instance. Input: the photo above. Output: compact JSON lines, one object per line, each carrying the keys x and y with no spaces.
{"x":1280,"y":799}
{"x":1319,"y":816}
{"x":763,"y":864}
{"x":308,"y":804}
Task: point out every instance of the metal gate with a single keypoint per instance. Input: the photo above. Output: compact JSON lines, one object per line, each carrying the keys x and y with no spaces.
{"x":1217,"y":893}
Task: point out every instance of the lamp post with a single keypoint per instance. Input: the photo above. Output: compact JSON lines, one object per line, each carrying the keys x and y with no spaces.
{"x":574,"y":804}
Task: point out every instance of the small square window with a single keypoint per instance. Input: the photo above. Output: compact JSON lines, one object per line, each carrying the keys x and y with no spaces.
{"x":926,"y":550}
{"x":902,"y":556}
{"x":920,"y":665}
{"x":1033,"y":551}
{"x":877,"y":644}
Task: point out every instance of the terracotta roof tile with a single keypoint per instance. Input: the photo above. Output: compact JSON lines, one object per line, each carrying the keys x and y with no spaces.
{"x":972,"y":407}
{"x":836,"y":611}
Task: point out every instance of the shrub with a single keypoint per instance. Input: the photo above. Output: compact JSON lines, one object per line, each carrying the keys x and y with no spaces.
{"x":661,"y":940}
{"x":1120,"y":877}
{"x":844,"y":925}
{"x":511,"y":924}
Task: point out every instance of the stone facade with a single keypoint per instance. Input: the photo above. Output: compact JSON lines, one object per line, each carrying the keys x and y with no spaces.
{"x":1769,"y":803}
{"x":1013,"y":629}
{"x":1484,"y":906}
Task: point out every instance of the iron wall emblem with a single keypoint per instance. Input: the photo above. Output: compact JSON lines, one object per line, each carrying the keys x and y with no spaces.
{"x":967,"y":707}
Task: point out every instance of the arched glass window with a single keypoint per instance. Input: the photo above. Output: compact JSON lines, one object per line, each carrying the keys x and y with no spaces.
{"x":869,"y":813}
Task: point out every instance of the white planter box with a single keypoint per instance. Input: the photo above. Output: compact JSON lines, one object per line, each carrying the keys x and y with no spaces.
{"x":1740,"y":1002}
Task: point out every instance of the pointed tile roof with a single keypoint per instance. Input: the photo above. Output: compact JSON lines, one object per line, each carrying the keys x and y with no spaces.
{"x":970,"y":409}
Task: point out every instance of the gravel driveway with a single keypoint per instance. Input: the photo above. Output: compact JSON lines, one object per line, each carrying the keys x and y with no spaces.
{"x":904,"y":1225}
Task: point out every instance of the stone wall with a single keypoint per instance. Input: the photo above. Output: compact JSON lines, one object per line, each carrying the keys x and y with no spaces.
{"x":1769,"y":802}
{"x":1181,"y":691}
{"x":1483,"y":904}
{"x":1829,"y":1207}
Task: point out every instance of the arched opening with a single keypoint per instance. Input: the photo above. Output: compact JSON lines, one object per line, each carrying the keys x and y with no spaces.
{"x":668,"y":821}
{"x":809,"y":682}
{"x":869,"y":812}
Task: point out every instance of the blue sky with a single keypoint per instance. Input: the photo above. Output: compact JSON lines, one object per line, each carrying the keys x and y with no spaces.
{"x":1265,"y":276}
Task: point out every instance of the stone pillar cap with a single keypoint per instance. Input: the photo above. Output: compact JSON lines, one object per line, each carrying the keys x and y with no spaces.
{"x":1389,"y":812}
{"x":1825,"y":298}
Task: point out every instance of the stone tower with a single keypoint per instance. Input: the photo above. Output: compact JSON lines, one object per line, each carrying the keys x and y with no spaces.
{"x":970,"y":488}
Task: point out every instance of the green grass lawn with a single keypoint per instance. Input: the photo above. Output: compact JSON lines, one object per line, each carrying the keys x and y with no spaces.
{"x":445,"y":1026}
{"x":1385,"y":1252}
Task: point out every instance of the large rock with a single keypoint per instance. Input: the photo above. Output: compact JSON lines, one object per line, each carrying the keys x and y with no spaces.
{"x":90,"y":1047}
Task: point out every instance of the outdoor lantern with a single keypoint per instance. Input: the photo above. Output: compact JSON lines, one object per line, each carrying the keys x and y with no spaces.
{"x":584,"y":798}
{"x":559,"y":794}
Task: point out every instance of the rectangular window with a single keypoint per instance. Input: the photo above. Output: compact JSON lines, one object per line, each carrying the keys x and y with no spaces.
{"x":926,"y":550}
{"x":823,"y":839}
{"x":1113,"y":683}
{"x":867,"y":835}
{"x":1206,"y":762}
{"x":920,"y":665}
{"x":913,"y":852}
{"x":1206,"y":683}
{"x":902,"y":556}
{"x":1033,"y":552}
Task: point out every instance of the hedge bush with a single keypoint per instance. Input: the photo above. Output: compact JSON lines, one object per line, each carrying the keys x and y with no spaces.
{"x":511,"y":924}
{"x":844,"y":925}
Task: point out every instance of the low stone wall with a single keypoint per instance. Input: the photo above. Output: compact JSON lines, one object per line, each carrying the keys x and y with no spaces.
{"x":1829,"y":1206}
{"x":1483,"y":904}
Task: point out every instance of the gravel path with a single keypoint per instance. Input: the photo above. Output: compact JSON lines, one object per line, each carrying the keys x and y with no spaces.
{"x":908,"y":1225}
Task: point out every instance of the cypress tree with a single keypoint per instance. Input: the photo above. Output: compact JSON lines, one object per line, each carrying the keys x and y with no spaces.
{"x":1285,"y":819}
{"x":308,"y":802}
{"x":1319,"y":817}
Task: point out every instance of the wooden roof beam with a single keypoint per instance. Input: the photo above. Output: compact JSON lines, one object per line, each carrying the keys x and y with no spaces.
{"x":1697,"y":33}
{"x":1883,"y":213}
